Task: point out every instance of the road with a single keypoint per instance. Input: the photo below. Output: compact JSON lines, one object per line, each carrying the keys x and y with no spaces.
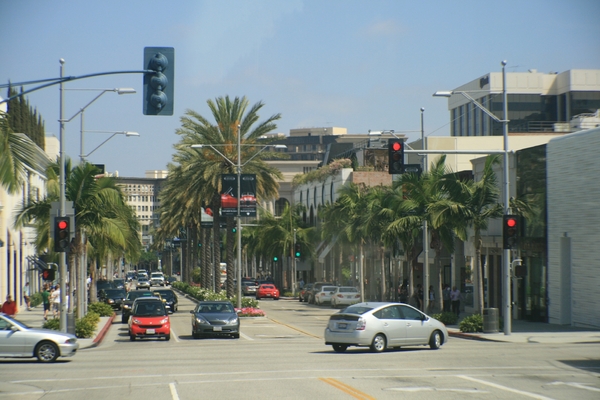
{"x":283,"y":356}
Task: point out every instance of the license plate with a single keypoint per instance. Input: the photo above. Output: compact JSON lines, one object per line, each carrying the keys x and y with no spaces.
{"x":150,"y":331}
{"x":268,"y":294}
{"x":216,"y":328}
{"x":342,"y":326}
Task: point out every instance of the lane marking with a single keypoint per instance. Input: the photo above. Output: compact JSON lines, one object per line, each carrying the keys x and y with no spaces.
{"x":242,"y":334}
{"x":175,"y":336}
{"x":174,"y":394}
{"x":357,"y":394}
{"x":296,"y":329}
{"x":578,"y":385}
{"x":506,"y":388}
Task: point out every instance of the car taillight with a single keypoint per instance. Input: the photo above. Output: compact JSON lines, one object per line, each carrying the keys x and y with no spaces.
{"x":361,"y":324}
{"x":341,"y":296}
{"x":357,"y":296}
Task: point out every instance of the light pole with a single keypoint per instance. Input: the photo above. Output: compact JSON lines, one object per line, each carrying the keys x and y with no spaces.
{"x":425,"y":227}
{"x":506,"y":195}
{"x":238,"y":167}
{"x":114,"y":133}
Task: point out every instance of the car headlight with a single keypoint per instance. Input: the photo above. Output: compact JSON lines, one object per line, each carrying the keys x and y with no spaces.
{"x":164,"y":320}
{"x":201,"y":320}
{"x":136,"y":321}
{"x":233,"y":320}
{"x":110,"y":301}
{"x":126,"y":306}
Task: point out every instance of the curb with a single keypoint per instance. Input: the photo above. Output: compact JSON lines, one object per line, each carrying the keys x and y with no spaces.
{"x":100,"y":336}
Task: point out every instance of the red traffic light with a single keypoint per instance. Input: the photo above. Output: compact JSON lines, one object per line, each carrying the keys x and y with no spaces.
{"x":511,"y":222}
{"x":396,"y":146}
{"x":62,"y":224}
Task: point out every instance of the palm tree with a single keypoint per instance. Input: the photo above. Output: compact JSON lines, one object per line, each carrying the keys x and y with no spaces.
{"x":204,"y":166}
{"x":18,"y":153}
{"x":475,"y":203}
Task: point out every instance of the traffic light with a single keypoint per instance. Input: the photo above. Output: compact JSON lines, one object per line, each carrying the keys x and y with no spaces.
{"x":158,"y":85}
{"x":297,"y":252}
{"x":62,"y":234}
{"x":275,"y":258}
{"x":395,"y":156}
{"x":510,"y":231}
{"x":48,"y":275}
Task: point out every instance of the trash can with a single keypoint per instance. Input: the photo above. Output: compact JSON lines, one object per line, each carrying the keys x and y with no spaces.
{"x":490,"y":320}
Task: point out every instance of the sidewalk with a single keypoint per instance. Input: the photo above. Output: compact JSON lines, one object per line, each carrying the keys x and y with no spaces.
{"x":533,"y":332}
{"x":35,"y":319}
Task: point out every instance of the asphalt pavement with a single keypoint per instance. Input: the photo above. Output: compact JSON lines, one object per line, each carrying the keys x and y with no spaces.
{"x":521,"y":332}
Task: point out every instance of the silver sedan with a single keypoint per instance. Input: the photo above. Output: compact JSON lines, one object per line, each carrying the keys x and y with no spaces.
{"x":383,"y":325}
{"x":18,"y":340}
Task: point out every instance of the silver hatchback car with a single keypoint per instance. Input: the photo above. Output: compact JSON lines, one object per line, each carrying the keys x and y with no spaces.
{"x":383,"y":325}
{"x":19,"y":340}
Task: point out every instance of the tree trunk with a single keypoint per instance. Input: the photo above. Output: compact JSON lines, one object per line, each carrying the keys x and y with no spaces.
{"x":478,"y":287}
{"x":216,"y":205}
{"x":231,"y":244}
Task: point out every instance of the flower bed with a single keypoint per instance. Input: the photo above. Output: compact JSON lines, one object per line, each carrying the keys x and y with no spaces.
{"x":250,"y":312}
{"x":200,"y":294}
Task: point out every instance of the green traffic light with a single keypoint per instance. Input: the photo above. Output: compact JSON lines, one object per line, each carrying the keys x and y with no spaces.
{"x":275,"y":259}
{"x":297,"y":254}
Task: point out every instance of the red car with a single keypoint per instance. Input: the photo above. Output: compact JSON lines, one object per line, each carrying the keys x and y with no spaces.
{"x":248,"y":200}
{"x":267,"y":290}
{"x":149,"y":318}
{"x":228,"y":201}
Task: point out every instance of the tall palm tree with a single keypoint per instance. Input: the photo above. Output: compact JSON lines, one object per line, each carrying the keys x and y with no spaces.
{"x":475,"y":203}
{"x":205,"y":166}
{"x":18,"y":153}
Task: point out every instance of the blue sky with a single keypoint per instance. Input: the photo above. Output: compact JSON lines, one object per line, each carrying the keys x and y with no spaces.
{"x":355,"y":64}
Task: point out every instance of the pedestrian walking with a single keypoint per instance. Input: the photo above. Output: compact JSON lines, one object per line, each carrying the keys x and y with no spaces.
{"x":431,"y":305}
{"x":455,"y":300}
{"x":446,"y":297}
{"x":46,"y":301}
{"x":9,"y":307}
{"x":26,"y":296}
{"x":55,"y":300}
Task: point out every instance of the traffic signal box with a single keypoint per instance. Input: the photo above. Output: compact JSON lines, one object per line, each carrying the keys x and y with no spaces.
{"x":297,"y":250}
{"x":62,"y":234}
{"x":158,"y":85}
{"x":510,"y":231}
{"x":396,"y":156}
{"x":48,"y":275}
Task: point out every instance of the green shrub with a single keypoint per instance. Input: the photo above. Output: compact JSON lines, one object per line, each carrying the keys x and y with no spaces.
{"x":472,"y":323}
{"x":36,"y":299}
{"x":288,"y":293}
{"x":447,"y":318}
{"x":85,"y":327}
{"x":53,"y":323}
{"x":102,"y":309}
{"x":202,"y":294}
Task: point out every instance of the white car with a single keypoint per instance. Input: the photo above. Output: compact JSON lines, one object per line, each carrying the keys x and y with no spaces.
{"x":383,"y":325}
{"x":17,"y":340}
{"x":345,"y":296}
{"x":157,"y":279}
{"x":324,"y":295}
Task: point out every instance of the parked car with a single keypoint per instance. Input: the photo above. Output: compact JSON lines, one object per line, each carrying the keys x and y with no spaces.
{"x":324,"y":294}
{"x":267,"y":290}
{"x":169,"y":297}
{"x":249,"y":288}
{"x":383,"y":325}
{"x":345,"y":296}
{"x":21,"y":341}
{"x":113,"y":297}
{"x":149,"y":318}
{"x":304,"y":292}
{"x":157,"y":279}
{"x":142,"y":283}
{"x":215,"y":318}
{"x":315,"y":289}
{"x":128,"y":302}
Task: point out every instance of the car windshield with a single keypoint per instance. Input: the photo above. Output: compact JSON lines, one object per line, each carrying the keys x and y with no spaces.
{"x":115,"y":292}
{"x":357,"y":309}
{"x":149,"y":309}
{"x":18,"y":323}
{"x":135,"y":295}
{"x":267,"y":287}
{"x":215,"y":308}
{"x":165,"y":294}
{"x":142,"y":279}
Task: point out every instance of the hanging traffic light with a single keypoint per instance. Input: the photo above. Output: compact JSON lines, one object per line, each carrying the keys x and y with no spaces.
{"x":48,"y":275}
{"x":158,"y":85}
{"x":297,"y":252}
{"x":62,"y":234}
{"x":395,"y":156}
{"x":510,"y":231}
{"x":275,"y":258}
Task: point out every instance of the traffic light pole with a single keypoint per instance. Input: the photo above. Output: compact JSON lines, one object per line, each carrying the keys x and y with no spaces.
{"x":62,"y":260}
{"x":506,"y":258}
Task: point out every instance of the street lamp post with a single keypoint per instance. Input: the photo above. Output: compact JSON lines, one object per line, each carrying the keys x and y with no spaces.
{"x":425,"y":299}
{"x":114,"y":133}
{"x":506,"y":194}
{"x":238,"y":167}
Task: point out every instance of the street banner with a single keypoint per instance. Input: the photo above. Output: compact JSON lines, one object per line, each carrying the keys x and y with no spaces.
{"x":230,"y":196}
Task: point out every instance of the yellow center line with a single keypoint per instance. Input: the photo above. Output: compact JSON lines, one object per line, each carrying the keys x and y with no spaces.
{"x":357,"y":394}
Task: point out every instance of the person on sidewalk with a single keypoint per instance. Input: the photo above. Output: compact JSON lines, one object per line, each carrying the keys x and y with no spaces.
{"x":455,"y":299}
{"x":446,"y":297}
{"x":55,"y":300}
{"x":26,"y":297}
{"x":46,"y":301}
{"x":431,"y":304}
{"x":9,"y":307}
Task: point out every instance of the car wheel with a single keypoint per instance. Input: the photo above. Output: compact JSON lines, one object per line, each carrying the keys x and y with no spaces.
{"x":257,"y":298}
{"x":276,"y":298}
{"x":339,"y":348}
{"x":46,"y":352}
{"x":235,"y":336}
{"x":168,"y":337}
{"x":132,"y":337}
{"x":300,"y":299}
{"x":436,"y":340}
{"x":195,"y":335}
{"x":379,"y":343}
